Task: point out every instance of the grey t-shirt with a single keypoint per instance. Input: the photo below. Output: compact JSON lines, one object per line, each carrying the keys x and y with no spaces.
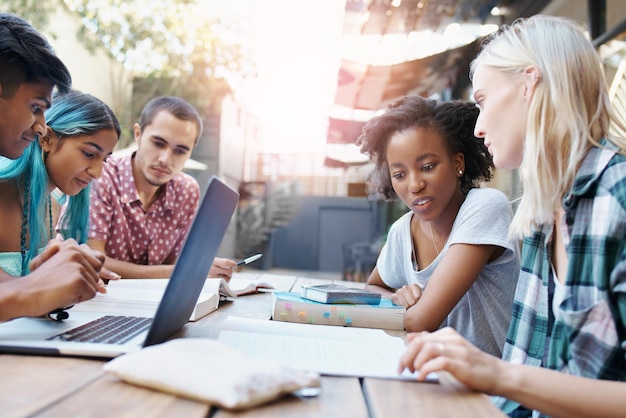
{"x":484,"y":312}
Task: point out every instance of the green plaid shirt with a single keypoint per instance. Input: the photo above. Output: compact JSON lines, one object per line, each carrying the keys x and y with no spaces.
{"x":589,"y":337}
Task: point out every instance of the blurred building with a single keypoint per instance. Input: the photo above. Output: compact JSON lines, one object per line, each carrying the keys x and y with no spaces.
{"x":310,"y":210}
{"x":304,"y":203}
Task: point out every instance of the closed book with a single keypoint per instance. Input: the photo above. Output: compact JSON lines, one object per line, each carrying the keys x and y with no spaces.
{"x":290,"y":307}
{"x":336,"y":293}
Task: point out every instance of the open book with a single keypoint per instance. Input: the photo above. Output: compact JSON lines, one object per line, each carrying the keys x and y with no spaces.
{"x":335,"y":351}
{"x":247,"y":283}
{"x":141,"y":297}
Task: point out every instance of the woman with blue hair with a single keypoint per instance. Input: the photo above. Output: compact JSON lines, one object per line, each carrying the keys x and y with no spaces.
{"x":82,"y":132}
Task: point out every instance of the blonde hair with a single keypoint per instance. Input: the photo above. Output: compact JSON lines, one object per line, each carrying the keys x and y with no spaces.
{"x":569,"y":113}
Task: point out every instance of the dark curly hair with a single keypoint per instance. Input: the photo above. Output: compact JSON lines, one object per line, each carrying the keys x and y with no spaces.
{"x":454,"y":120}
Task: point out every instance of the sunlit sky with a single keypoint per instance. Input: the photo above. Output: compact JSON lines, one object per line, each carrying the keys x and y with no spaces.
{"x":298,"y":46}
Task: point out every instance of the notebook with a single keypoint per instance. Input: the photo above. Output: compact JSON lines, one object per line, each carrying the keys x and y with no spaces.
{"x":33,"y":335}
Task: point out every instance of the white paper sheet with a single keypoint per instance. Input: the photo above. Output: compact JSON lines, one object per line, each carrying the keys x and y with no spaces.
{"x":328,"y":350}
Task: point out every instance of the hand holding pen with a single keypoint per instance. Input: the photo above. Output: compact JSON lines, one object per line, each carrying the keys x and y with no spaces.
{"x":248,"y":260}
{"x":223,"y":267}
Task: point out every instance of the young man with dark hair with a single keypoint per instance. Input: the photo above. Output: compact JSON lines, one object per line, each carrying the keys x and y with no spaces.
{"x":143,"y":205}
{"x":65,"y":272}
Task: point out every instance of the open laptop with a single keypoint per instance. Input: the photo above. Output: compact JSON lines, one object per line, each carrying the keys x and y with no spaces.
{"x":48,"y":337}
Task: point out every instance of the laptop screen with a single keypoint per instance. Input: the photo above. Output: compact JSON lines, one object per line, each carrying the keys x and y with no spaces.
{"x":194,"y":262}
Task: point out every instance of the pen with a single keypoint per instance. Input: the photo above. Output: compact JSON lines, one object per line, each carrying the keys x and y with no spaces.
{"x":249,"y":259}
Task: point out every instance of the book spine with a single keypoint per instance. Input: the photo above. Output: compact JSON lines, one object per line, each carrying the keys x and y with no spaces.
{"x":338,"y":315}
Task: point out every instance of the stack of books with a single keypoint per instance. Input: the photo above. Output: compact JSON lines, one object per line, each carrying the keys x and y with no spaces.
{"x":344,"y":306}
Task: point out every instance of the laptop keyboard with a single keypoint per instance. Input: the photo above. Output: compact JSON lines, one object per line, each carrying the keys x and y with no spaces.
{"x":107,"y":329}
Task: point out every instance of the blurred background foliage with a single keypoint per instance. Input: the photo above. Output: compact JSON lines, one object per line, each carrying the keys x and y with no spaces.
{"x":35,"y":11}
{"x":170,"y":46}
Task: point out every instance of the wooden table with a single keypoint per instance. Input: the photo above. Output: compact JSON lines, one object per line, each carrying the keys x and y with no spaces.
{"x":68,"y":387}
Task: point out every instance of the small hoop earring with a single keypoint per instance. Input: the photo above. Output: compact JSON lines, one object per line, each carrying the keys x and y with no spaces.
{"x":44,"y":156}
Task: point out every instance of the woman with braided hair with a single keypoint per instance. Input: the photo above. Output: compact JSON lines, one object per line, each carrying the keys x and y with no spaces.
{"x":53,"y":173}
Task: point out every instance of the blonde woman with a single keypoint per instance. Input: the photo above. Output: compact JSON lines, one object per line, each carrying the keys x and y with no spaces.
{"x":544,"y":108}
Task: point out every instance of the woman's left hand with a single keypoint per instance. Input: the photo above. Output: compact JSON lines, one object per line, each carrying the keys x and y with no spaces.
{"x":407,"y":295}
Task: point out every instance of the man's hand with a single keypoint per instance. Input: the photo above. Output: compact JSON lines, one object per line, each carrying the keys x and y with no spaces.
{"x":64,"y":274}
{"x":222,"y":267}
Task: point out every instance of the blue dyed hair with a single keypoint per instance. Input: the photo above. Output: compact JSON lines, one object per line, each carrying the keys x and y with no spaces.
{"x":71,"y":114}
